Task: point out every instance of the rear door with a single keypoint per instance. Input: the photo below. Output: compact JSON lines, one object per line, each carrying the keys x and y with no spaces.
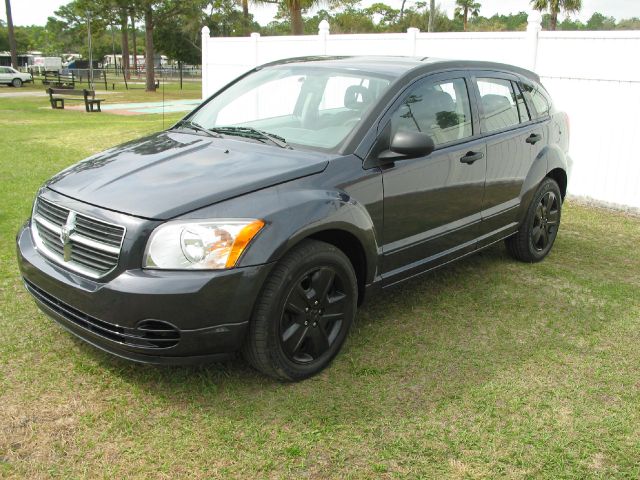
{"x":432,"y":204}
{"x":513,"y":143}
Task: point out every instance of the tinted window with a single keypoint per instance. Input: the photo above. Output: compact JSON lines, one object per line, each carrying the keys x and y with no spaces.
{"x":538,"y":98}
{"x":4,"y":70}
{"x":440,"y":109}
{"x":499,"y":109}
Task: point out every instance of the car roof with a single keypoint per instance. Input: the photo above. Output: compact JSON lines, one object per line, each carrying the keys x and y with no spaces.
{"x":398,"y":66}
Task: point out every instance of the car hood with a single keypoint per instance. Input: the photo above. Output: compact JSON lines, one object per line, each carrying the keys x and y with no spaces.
{"x":171,"y":173}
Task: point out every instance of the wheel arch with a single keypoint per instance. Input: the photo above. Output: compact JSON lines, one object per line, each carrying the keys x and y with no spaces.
{"x":351,"y":246}
{"x":560,"y":176}
{"x":550,"y":162}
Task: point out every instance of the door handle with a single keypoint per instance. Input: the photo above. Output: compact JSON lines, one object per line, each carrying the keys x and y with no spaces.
{"x":534,"y":138}
{"x":471,"y":157}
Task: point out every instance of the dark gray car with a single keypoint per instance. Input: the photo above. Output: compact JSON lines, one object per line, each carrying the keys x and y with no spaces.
{"x":262,"y":219}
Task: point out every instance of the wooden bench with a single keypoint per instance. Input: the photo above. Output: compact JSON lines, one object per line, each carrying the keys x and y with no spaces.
{"x":57,"y":97}
{"x":59,"y":80}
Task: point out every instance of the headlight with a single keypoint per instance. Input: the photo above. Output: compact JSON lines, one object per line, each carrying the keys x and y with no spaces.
{"x":205,"y":245}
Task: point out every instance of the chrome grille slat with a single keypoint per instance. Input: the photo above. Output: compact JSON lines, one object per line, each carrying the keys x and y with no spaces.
{"x":57,"y":216}
{"x":110,"y":239}
{"x":87,"y":258}
{"x":93,"y":246}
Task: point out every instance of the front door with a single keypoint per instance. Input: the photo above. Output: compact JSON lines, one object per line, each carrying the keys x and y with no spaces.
{"x":432,"y":205}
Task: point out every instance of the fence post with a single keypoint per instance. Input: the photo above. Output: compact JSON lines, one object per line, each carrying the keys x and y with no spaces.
{"x":412,"y":33}
{"x":323,"y":33}
{"x":534,"y":25}
{"x":255,"y":38}
{"x":205,"y":61}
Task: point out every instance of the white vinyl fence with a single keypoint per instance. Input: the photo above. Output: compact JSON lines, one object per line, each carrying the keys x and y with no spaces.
{"x":593,"y":76}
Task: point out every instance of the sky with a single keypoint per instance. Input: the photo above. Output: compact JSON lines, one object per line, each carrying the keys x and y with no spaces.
{"x":35,"y":12}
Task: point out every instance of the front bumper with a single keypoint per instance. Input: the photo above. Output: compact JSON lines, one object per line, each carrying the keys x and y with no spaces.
{"x":202,"y":315}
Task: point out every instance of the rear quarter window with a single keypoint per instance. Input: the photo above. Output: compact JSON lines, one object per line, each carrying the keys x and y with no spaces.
{"x":539,"y":99}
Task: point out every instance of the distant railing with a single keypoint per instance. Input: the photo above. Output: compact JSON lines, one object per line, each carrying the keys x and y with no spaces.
{"x":119,"y":79}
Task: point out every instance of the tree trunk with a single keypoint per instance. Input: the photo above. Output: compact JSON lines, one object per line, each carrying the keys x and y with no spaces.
{"x":297,"y":25}
{"x":432,"y":14}
{"x":464,"y":20}
{"x":133,"y":37}
{"x":12,"y":35}
{"x":245,"y":17}
{"x":149,"y":51}
{"x":402,"y":9}
{"x":554,"y":20}
{"x":125,"y":44}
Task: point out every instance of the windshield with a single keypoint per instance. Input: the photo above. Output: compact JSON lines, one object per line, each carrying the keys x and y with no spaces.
{"x":306,"y":106}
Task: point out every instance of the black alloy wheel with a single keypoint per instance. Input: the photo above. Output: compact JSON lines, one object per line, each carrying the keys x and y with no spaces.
{"x":313,"y":315}
{"x":539,"y":229}
{"x":303,"y":315}
{"x":545,"y":221}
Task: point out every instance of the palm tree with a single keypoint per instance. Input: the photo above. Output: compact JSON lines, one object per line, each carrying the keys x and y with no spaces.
{"x":432,"y":15}
{"x":295,"y":7}
{"x":554,"y":7}
{"x":245,"y":16}
{"x":466,"y":7}
{"x":12,"y":36}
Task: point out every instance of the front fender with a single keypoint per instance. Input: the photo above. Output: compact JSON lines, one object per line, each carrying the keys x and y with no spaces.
{"x":293,"y":213}
{"x":311,"y":212}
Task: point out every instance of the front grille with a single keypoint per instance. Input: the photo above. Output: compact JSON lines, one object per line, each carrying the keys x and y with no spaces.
{"x":90,"y":246}
{"x":149,"y":334}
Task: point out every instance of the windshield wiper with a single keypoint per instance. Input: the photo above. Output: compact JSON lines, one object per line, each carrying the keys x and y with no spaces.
{"x":197,"y":127}
{"x":250,"y":132}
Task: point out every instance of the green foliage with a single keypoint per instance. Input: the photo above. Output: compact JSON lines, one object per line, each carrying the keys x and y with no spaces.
{"x":599,"y":22}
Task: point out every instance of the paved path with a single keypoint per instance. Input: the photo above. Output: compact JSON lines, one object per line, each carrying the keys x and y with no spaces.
{"x":144,"y":108}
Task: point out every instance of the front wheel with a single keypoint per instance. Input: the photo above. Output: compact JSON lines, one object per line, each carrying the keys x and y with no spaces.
{"x":16,"y":82}
{"x":539,"y":229}
{"x":304,"y":312}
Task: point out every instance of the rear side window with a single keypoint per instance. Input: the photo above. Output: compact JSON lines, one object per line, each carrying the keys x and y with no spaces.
{"x":540,"y":101}
{"x":499,"y":108}
{"x":440,"y":109}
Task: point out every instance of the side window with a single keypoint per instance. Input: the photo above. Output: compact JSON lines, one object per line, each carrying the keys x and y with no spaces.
{"x":439,"y":109}
{"x":522,"y":105}
{"x":539,"y":99}
{"x":499,"y":109}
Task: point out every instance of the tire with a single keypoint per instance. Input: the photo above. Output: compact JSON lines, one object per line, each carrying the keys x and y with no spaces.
{"x":16,"y":82}
{"x":303,"y":314}
{"x":538,"y":231}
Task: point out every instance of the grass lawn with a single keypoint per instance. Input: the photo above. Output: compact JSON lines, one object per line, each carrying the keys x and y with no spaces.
{"x":485,"y":369}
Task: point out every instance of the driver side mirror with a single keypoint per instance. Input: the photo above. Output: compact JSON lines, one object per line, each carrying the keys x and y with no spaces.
{"x":405,"y":144}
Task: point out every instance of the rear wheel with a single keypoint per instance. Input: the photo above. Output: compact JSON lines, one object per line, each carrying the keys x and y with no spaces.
{"x":304,"y":312}
{"x":537,"y":233}
{"x":16,"y":82}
